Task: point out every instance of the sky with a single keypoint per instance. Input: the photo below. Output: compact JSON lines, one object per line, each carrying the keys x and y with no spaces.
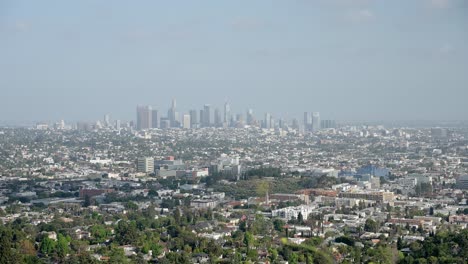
{"x":347,"y":59}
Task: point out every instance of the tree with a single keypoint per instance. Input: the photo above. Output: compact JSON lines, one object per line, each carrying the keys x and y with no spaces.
{"x":248,"y":239}
{"x":126,"y":232}
{"x":278,"y":224}
{"x":87,"y":201}
{"x":99,"y":233}
{"x":293,"y":258}
{"x":117,"y":255}
{"x":371,"y":226}
{"x":273,"y":254}
{"x":263,"y":188}
{"x":27,"y":248}
{"x":399,"y":243}
{"x":47,"y":246}
{"x":62,"y":246}
{"x":300,"y":218}
{"x":131,"y":206}
{"x":7,"y":252}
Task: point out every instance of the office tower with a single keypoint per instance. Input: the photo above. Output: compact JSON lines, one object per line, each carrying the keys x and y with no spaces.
{"x":281,"y":123}
{"x":217,"y":118}
{"x":233,"y":121}
{"x":202,"y":118}
{"x":107,"y":122}
{"x":186,"y":121}
{"x":207,"y":115}
{"x":227,"y":114}
{"x":315,"y":121}
{"x":295,"y":124}
{"x":267,"y":121}
{"x":307,"y":121}
{"x":164,"y":123}
{"x":117,"y":124}
{"x":145,"y":165}
{"x":240,"y":120}
{"x":327,"y":124}
{"x":144,"y":120}
{"x":171,"y":113}
{"x":194,"y":119}
{"x":177,"y":121}
{"x":155,"y":118}
{"x":250,"y":117}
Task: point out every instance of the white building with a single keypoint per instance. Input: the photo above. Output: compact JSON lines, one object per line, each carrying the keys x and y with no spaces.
{"x":291,"y":212}
{"x":204,"y":204}
{"x":145,"y":165}
{"x":186,"y":121}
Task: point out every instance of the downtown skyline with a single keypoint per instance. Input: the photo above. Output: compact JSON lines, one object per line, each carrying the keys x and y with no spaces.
{"x":350,"y":59}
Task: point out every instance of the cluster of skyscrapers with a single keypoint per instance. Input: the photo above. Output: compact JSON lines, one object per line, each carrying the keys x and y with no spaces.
{"x":147,"y":118}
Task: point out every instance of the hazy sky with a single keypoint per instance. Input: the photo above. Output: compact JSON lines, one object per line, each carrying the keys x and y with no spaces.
{"x":347,"y":59}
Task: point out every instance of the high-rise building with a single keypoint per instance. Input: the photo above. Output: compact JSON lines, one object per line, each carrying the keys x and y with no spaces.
{"x":144,"y":119}
{"x":193,"y":119}
{"x":117,"y":124}
{"x":177,"y":121}
{"x":171,"y":113}
{"x":107,"y":122}
{"x":295,"y":124}
{"x":155,"y":118}
{"x":227,"y":114}
{"x":250,"y":118}
{"x":281,"y":123}
{"x":328,"y":124}
{"x":217,"y":118}
{"x":267,"y":121}
{"x":315,"y":121}
{"x":202,"y":118}
{"x":207,"y":115}
{"x":186,"y":121}
{"x":240,"y":120}
{"x":145,"y":165}
{"x":164,"y":123}
{"x":307,"y":121}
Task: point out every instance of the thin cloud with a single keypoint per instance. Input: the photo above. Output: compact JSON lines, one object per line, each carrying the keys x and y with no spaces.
{"x":360,"y":15}
{"x":446,"y":48}
{"x":21,"y":26}
{"x":246,"y":24}
{"x":439,"y":3}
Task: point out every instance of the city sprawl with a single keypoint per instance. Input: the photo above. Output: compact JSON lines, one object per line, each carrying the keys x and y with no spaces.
{"x":182,"y":189}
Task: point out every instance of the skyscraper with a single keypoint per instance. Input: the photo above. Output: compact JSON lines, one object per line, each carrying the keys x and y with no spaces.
{"x":144,"y":120}
{"x":202,"y":118}
{"x":186,"y":121}
{"x":207,"y":115}
{"x":171,"y":114}
{"x":315,"y":121}
{"x":155,"y":118}
{"x":307,"y":121}
{"x":217,"y":118}
{"x":267,"y":121}
{"x":250,"y":118}
{"x":227,"y":114}
{"x":193,"y":119}
{"x":327,"y":124}
{"x":107,"y":122}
